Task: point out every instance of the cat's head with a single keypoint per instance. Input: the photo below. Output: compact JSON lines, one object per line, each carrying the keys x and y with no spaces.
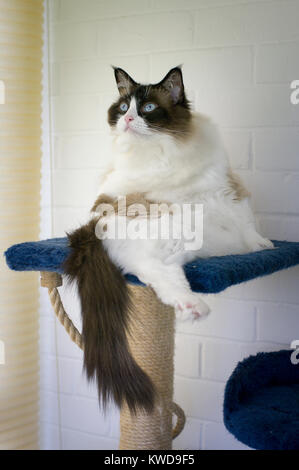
{"x":148,"y":110}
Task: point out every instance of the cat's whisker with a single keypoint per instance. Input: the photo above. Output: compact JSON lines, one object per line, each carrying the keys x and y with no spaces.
{"x":172,"y":131}
{"x":158,"y":129}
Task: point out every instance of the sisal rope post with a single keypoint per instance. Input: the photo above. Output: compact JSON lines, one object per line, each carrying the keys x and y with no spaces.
{"x":151,"y":341}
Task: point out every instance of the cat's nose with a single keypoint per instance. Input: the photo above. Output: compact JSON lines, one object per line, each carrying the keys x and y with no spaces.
{"x":129,"y":118}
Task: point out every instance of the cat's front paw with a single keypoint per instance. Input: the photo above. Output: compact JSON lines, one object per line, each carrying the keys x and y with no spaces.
{"x":263,"y":244}
{"x":191,"y":309}
{"x":258,"y":243}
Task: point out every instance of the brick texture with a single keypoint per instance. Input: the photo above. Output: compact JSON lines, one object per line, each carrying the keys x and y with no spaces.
{"x":239,"y":57}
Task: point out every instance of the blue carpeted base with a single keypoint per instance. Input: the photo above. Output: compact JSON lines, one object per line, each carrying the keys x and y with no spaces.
{"x":261,"y":402}
{"x":209,"y":275}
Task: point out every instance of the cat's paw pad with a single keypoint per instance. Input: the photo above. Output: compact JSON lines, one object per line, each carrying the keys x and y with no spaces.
{"x":191,"y":310}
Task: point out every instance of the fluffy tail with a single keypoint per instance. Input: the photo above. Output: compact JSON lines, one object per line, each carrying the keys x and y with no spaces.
{"x":105,"y":305}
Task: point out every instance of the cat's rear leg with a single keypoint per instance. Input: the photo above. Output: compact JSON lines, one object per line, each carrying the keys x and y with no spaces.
{"x":171,"y":286}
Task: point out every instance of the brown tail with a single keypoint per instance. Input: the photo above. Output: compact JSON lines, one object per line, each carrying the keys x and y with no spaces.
{"x":105,"y":305}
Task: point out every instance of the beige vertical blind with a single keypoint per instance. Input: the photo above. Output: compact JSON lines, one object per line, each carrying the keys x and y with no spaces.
{"x":21,"y":25}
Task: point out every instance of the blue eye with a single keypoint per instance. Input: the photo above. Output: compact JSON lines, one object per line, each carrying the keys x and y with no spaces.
{"x":124,"y":107}
{"x":148,"y":107}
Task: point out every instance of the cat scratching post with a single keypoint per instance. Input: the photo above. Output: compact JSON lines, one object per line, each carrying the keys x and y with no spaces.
{"x":152,"y":345}
{"x":152,"y":329}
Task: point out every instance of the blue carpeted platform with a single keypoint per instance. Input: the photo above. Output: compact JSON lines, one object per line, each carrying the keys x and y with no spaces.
{"x":209,"y":275}
{"x":261,"y":405}
{"x":261,"y":402}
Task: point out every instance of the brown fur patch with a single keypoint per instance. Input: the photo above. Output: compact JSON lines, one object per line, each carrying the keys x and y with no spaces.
{"x":105,"y":307}
{"x":127,"y":209}
{"x":236,"y":186}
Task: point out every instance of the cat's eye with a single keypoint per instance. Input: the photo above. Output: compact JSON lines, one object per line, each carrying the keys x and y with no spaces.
{"x":124,"y":107}
{"x":148,"y":107}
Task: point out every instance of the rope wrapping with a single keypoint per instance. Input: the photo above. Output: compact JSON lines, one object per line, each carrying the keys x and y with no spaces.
{"x":52,"y":281}
{"x":151,"y":341}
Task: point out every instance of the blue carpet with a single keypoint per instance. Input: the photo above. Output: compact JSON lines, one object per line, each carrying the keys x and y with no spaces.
{"x":209,"y":275}
{"x":261,"y":402}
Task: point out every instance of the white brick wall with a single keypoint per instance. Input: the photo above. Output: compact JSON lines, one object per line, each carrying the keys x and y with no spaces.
{"x":239,"y":58}
{"x":269,"y":55}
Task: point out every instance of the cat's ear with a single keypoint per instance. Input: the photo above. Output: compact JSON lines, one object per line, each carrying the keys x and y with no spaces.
{"x":125,"y":83}
{"x":173,"y":83}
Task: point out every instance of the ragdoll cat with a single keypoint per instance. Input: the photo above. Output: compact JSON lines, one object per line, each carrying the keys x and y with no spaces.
{"x":163,"y":152}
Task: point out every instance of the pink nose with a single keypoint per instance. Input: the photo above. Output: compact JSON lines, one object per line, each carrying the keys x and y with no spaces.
{"x":129,"y":118}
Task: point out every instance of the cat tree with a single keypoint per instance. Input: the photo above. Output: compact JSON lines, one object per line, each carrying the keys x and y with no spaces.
{"x":261,"y":401}
{"x":152,"y":330}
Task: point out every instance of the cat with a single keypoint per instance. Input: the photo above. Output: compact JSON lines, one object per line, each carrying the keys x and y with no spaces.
{"x":165,"y":153}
